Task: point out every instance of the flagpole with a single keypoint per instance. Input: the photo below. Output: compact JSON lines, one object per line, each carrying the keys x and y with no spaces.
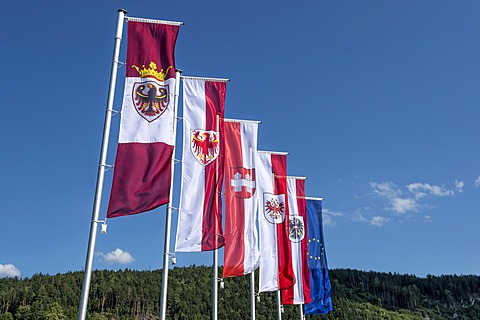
{"x":82,"y":309}
{"x":302,"y":317}
{"x":215,"y":251}
{"x":252,"y":295}
{"x":279,"y":306}
{"x":215,"y":285}
{"x":252,"y":274}
{"x":168,"y":218}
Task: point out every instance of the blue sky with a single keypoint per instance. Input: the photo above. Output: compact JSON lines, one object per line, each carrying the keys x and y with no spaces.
{"x":377,"y":103}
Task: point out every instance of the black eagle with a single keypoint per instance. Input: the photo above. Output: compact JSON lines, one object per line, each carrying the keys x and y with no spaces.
{"x":153,"y":102}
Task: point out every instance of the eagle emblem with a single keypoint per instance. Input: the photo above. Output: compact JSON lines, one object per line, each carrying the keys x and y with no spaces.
{"x":150,"y":99}
{"x":242,"y":182}
{"x":274,"y":207}
{"x":205,"y":145}
{"x":296,"y":228}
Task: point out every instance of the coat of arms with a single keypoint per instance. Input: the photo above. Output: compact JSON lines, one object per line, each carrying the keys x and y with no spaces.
{"x":242,"y":182}
{"x":150,"y":96}
{"x":296,"y":228}
{"x":274,"y":207}
{"x":205,"y":145}
{"x":150,"y":99}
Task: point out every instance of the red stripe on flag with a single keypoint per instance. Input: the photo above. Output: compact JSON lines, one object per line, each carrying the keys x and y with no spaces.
{"x":286,"y":276}
{"x":151,"y":42}
{"x":212,"y":211}
{"x":142,"y":178}
{"x":234,"y":254}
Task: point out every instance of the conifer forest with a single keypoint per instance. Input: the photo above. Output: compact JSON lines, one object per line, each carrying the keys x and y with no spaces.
{"x":130,"y":294}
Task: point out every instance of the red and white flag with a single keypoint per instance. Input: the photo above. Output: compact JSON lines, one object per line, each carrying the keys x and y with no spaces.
{"x":298,"y":235}
{"x":200,"y":215}
{"x":241,"y":254}
{"x":142,"y":174}
{"x":276,"y":269}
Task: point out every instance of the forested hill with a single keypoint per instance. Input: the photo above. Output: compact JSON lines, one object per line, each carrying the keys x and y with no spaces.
{"x":129,"y":294}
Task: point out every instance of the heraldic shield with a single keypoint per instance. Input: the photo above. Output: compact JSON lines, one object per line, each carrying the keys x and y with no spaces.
{"x":243,"y":182}
{"x":296,"y":228}
{"x":150,"y":98}
{"x":274,"y":207}
{"x":205,"y":145}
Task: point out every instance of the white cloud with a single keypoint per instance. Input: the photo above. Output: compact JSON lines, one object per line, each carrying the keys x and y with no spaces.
{"x":427,"y":218}
{"x":118,"y":256}
{"x":459,"y":185}
{"x":477,"y":182}
{"x":328,"y":217}
{"x":9,"y":270}
{"x":378,"y":221}
{"x":328,"y":221}
{"x":402,"y":205}
{"x":358,"y":217}
{"x":332,"y":213}
{"x":422,"y":190}
{"x":392,"y":193}
{"x":386,"y":189}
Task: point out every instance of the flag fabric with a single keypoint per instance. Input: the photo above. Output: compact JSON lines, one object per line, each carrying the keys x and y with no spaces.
{"x":320,"y":288}
{"x":276,"y":269}
{"x":298,"y":235}
{"x":241,"y":254}
{"x":142,"y":171}
{"x":200,"y":214}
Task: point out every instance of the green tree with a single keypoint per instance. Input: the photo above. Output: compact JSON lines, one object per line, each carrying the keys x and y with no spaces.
{"x":6,"y":316}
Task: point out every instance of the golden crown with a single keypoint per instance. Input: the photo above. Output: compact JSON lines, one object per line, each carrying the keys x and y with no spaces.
{"x":152,"y":71}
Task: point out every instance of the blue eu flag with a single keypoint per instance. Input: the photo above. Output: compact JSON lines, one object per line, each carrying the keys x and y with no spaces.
{"x":320,"y":288}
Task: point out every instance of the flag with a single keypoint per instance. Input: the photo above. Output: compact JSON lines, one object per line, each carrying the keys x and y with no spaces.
{"x":241,"y":240}
{"x":298,"y":235}
{"x":200,"y":215}
{"x":142,"y":171}
{"x":276,"y":270}
{"x":320,"y":288}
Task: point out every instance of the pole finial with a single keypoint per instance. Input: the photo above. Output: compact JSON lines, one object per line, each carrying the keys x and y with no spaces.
{"x":122,"y":10}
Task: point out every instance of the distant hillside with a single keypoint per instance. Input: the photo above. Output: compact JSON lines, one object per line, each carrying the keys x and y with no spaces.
{"x":129,"y":294}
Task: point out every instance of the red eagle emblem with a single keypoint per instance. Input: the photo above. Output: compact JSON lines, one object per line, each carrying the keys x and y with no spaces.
{"x":150,"y":99}
{"x":205,"y":145}
{"x":274,"y":207}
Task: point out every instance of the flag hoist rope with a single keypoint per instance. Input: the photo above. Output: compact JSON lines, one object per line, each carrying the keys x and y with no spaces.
{"x":82,"y":309}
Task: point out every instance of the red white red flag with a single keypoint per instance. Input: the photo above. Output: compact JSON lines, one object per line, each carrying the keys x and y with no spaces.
{"x":241,"y":254}
{"x":298,"y":235}
{"x":276,"y":269}
{"x":200,"y":216}
{"x":142,"y":174}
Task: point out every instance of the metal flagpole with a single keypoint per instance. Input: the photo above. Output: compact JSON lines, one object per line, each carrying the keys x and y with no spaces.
{"x":215,"y":251}
{"x":82,"y":309}
{"x":252,"y":295}
{"x":168,"y":219}
{"x":215,"y":285}
{"x":252,"y":274}
{"x":300,"y":306}
{"x":279,"y":306}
